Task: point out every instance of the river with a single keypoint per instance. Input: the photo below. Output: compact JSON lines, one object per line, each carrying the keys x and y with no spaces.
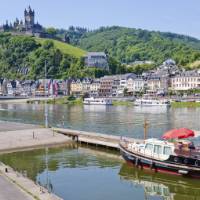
{"x":82,"y":173}
{"x":116,"y":120}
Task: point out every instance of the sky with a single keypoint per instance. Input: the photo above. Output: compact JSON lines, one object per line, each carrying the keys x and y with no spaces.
{"x":178,"y":16}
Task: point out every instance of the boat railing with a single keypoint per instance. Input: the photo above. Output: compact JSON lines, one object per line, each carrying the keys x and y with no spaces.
{"x":125,"y":142}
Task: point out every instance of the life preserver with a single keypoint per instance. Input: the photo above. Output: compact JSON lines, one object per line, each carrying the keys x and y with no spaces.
{"x":186,"y":161}
{"x":196,"y":163}
{"x":176,"y":159}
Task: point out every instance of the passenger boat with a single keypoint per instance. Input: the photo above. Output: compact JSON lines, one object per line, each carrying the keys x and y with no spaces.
{"x":97,"y":101}
{"x":152,"y":102}
{"x":178,"y":157}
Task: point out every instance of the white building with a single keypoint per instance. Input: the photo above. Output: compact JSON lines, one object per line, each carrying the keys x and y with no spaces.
{"x":94,"y":87}
{"x":186,"y":80}
{"x":135,"y":84}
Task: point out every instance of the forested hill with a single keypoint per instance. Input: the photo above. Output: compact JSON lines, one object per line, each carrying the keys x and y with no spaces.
{"x":129,"y":44}
{"x":24,"y":57}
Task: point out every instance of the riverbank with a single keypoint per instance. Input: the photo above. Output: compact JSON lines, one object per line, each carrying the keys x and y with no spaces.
{"x":123,"y":103}
{"x":59,"y":100}
{"x":185,"y":104}
{"x":22,"y":187}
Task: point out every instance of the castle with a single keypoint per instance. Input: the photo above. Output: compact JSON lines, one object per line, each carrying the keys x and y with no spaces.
{"x":28,"y":26}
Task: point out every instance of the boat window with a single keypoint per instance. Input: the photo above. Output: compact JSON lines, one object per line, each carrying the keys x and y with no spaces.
{"x":167,"y":151}
{"x":158,"y":149}
{"x":149,"y":147}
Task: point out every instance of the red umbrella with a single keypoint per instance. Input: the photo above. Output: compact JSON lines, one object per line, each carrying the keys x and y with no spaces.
{"x":178,"y":133}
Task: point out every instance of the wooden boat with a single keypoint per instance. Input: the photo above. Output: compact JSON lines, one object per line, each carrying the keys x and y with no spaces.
{"x":177,"y":158}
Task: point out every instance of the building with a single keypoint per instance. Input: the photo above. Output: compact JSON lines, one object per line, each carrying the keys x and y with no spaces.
{"x":185,"y":81}
{"x":86,"y":83}
{"x":122,"y":83}
{"x":111,"y":86}
{"x":97,"y":59}
{"x":64,"y":86}
{"x":106,"y":86}
{"x":26,"y":26}
{"x":76,"y":87}
{"x":94,"y":88}
{"x":135,"y":84}
{"x":154,"y":84}
{"x":158,"y":80}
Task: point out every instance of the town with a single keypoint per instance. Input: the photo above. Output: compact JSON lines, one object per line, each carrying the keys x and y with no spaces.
{"x":167,"y":79}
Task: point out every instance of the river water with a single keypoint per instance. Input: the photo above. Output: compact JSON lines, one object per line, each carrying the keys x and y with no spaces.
{"x":82,"y":173}
{"x":116,"y":120}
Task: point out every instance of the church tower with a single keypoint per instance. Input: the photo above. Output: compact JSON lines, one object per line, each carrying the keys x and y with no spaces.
{"x":29,"y":16}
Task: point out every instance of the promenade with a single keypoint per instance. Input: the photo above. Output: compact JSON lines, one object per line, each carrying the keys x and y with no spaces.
{"x":19,"y":137}
{"x":9,"y":191}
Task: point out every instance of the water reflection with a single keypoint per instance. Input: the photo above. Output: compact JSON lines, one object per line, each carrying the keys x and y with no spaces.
{"x":168,"y":187}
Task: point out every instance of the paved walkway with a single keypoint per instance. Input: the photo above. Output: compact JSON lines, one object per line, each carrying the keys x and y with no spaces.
{"x":22,"y":184}
{"x":9,"y":191}
{"x":29,"y":139}
{"x":11,"y":126}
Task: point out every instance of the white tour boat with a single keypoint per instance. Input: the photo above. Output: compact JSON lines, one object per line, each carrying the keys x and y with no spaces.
{"x":97,"y":101}
{"x":152,"y":102}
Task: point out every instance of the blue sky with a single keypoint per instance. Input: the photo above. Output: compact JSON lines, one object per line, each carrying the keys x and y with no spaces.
{"x":179,"y":16}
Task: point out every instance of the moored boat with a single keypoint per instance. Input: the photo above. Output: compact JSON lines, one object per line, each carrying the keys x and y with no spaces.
{"x":97,"y":101}
{"x":152,"y":102}
{"x":179,"y":157}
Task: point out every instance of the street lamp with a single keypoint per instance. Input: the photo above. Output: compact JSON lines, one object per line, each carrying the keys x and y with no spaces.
{"x":46,"y":107}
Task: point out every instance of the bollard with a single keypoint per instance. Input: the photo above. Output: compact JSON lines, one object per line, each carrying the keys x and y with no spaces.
{"x":6,"y":170}
{"x":33,"y":135}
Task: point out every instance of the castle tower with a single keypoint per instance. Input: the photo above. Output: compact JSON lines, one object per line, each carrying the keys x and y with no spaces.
{"x":29,"y":16}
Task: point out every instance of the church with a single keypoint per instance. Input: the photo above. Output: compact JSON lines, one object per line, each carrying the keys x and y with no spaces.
{"x":28,"y":26}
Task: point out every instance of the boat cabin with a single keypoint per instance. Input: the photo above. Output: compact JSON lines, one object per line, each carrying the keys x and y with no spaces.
{"x":153,"y":148}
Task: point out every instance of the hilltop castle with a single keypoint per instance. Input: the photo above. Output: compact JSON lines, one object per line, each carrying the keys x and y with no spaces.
{"x":28,"y":26}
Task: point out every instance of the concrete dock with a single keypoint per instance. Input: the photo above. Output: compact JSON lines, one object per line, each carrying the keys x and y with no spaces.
{"x":97,"y":139}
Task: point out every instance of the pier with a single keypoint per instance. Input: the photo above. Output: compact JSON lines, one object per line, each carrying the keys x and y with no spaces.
{"x":93,"y":138}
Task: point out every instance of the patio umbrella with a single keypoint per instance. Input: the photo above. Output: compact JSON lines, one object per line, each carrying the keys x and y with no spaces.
{"x":178,"y":133}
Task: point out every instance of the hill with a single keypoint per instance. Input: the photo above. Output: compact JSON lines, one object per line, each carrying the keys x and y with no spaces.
{"x":24,"y":57}
{"x":64,"y":47}
{"x":129,"y":45}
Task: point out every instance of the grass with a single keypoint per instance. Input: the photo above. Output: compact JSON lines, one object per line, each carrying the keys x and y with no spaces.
{"x":122,"y":103}
{"x":185,"y":104}
{"x":65,"y":48}
{"x":66,"y":100}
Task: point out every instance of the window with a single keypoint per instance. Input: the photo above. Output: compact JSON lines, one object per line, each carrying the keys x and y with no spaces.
{"x":167,"y":151}
{"x":158,"y":149}
{"x":149,"y":147}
